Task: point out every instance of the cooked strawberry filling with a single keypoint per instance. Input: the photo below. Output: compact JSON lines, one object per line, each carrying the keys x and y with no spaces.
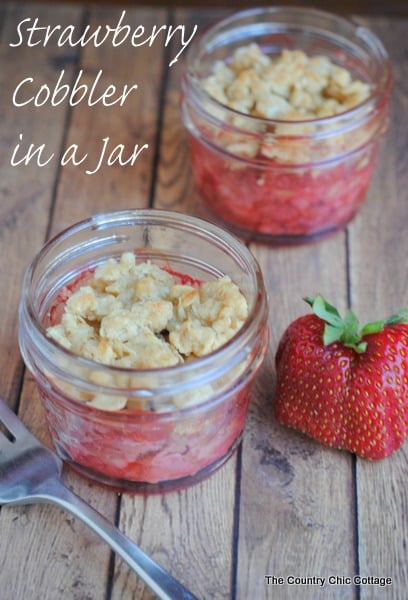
{"x":137,"y":315}
{"x":275,"y":201}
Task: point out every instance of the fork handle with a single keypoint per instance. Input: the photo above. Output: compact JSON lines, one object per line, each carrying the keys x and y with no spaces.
{"x":159,"y":580}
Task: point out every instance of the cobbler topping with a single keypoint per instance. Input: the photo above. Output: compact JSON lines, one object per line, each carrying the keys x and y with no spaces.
{"x":291,"y":86}
{"x":287,"y":91}
{"x":138,"y":316}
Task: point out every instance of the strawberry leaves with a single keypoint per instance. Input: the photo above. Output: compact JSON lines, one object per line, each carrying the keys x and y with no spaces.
{"x":348,"y":330}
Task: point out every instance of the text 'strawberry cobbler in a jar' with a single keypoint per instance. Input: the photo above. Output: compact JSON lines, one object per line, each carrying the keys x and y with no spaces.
{"x":285,"y":108}
{"x":144,"y":330}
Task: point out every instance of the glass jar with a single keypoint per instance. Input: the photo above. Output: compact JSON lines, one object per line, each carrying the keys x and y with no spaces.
{"x":184,"y":421}
{"x":285,"y":181}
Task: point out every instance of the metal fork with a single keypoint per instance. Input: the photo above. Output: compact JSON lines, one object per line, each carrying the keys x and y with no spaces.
{"x":30,"y":472}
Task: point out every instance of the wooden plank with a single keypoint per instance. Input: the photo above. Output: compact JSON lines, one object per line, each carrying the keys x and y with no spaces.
{"x":394,"y":8}
{"x":61,"y":568}
{"x":258,"y":532}
{"x":134,"y":123}
{"x":26,"y":197}
{"x":174,"y":188}
{"x":378,"y":237}
{"x":157,"y":524}
{"x":25,"y":191}
{"x":189,"y":532}
{"x":297,"y":509}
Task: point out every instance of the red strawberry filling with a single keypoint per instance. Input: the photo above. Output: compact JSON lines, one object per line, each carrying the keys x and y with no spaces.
{"x":274,"y":202}
{"x":135,"y":445}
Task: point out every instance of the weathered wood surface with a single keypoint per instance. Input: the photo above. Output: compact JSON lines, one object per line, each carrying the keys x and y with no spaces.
{"x":284,"y":505}
{"x":391,"y":8}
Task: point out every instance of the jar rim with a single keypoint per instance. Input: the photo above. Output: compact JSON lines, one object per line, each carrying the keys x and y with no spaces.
{"x":211,"y":361}
{"x":381,"y":89}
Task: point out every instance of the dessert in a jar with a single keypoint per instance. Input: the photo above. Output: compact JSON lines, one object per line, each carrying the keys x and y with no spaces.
{"x":284,"y":108}
{"x":144,"y":331}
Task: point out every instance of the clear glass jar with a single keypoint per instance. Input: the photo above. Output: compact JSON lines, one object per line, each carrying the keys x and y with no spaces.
{"x":303,"y":179}
{"x":189,"y":418}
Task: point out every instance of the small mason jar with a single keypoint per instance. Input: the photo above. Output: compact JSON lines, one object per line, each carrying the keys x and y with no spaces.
{"x":180,"y":423}
{"x":275,"y":180}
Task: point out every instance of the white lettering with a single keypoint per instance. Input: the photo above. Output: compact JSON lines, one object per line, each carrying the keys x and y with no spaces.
{"x":20,"y":35}
{"x":34,"y":34}
{"x":184,"y":43}
{"x":116,"y":156}
{"x":70,"y":155}
{"x":31,"y":153}
{"x":17,"y":90}
{"x":75,"y":94}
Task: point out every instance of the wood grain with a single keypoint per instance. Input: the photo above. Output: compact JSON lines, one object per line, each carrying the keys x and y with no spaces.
{"x":297,"y":506}
{"x":283,"y":505}
{"x":174,"y":188}
{"x":189,"y":532}
{"x":26,"y":192}
{"x":135,"y":123}
{"x":378,"y":237}
{"x":365,"y":7}
{"x":51,"y":568}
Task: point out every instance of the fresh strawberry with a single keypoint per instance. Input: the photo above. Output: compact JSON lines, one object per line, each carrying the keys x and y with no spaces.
{"x":345,"y":387}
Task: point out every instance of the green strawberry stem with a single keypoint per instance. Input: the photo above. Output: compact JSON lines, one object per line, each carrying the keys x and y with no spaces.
{"x":347,"y":330}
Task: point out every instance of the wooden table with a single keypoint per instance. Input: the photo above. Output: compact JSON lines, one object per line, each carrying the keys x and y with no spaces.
{"x":284,"y":507}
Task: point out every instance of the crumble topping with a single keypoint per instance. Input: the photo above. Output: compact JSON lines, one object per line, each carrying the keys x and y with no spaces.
{"x":292,"y":86}
{"x":138,"y":316}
